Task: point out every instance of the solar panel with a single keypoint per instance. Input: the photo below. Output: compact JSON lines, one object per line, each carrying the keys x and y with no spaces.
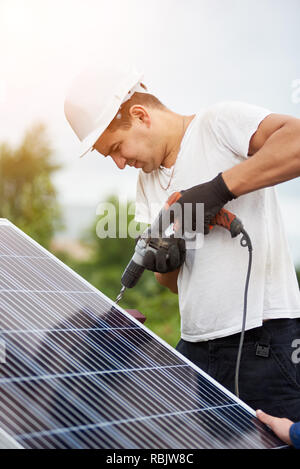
{"x":80,"y":372}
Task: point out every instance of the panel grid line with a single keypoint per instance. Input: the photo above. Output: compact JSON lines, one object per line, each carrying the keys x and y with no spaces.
{"x":117,"y":422}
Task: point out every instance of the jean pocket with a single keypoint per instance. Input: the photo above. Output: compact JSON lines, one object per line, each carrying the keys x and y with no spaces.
{"x":282,"y":355}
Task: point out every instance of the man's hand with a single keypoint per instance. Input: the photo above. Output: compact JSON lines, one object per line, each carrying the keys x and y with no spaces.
{"x":280,"y":426}
{"x":213,"y":194}
{"x":168,"y":280}
{"x":169,"y":256}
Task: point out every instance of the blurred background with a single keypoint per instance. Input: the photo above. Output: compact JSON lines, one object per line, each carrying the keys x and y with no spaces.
{"x":193,"y":53}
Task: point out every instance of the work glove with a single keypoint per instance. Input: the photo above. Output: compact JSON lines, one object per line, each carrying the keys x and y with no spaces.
{"x":213,"y":194}
{"x":169,"y":254}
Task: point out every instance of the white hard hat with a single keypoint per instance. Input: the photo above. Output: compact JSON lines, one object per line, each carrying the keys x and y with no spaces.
{"x":95,"y":97}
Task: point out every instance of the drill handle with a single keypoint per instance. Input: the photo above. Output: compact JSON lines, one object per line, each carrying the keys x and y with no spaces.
{"x":224,"y":218}
{"x":229,"y":221}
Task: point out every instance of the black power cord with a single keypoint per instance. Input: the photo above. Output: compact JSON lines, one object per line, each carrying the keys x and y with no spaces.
{"x":245,"y":241}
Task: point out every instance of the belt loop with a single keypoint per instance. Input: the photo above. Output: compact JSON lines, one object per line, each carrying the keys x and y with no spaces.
{"x":262,"y":346}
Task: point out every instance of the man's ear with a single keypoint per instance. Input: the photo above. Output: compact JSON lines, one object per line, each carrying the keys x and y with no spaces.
{"x":140,"y":112}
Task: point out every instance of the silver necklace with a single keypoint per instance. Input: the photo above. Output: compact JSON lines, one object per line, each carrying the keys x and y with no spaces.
{"x":171,"y":177}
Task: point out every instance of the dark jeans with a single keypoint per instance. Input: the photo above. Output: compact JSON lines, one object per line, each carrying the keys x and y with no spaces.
{"x":269,"y":376}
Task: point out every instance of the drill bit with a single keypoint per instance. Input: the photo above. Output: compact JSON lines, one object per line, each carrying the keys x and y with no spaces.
{"x":120,"y":295}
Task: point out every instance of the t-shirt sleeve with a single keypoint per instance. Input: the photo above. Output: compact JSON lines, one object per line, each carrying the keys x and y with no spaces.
{"x":295,"y":435}
{"x":142,"y":211}
{"x":235,"y":123}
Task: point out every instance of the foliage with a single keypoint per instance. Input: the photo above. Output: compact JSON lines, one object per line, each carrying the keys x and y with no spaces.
{"x":27,"y":195}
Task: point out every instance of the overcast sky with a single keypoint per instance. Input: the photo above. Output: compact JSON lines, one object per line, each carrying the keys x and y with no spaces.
{"x":193,"y":53}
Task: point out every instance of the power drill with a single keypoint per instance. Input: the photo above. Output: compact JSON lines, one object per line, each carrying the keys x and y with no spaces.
{"x":151,"y":239}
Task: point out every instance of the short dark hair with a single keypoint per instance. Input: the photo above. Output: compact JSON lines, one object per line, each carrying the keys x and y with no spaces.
{"x":123,"y":118}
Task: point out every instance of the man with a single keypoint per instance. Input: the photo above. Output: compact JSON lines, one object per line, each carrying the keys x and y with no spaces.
{"x":227,"y":154}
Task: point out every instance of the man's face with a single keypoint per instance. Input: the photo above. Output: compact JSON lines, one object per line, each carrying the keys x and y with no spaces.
{"x":136,"y":146}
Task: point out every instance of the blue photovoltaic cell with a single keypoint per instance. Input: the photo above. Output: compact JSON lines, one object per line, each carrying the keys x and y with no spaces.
{"x":80,"y":373}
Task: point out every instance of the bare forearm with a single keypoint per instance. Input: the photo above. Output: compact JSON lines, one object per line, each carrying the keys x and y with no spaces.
{"x":278,"y":160}
{"x":168,"y":280}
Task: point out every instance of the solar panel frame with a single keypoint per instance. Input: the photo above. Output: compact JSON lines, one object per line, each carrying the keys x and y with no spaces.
{"x":138,"y":325}
{"x":8,"y":442}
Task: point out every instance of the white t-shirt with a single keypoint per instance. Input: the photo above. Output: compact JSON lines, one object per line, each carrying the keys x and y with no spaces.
{"x":211,"y":281}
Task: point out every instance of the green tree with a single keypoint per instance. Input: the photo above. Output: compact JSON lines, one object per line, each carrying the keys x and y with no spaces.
{"x":27,"y":195}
